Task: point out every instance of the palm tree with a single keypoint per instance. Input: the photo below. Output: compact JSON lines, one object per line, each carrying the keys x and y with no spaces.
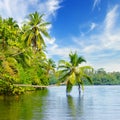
{"x":35,"y":31}
{"x":72,"y":73}
{"x":49,"y":66}
{"x":12,"y":23}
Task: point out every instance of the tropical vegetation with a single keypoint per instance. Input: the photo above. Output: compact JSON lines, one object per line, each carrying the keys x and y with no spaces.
{"x":22,"y":54}
{"x":101,"y":77}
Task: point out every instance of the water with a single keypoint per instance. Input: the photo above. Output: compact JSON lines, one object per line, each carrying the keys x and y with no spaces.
{"x":96,"y":103}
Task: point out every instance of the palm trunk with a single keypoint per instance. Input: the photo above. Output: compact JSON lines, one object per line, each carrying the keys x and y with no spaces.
{"x":79,"y":88}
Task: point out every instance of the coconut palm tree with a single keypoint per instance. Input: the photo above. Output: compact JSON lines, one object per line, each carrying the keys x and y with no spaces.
{"x":72,"y":73}
{"x":36,"y":31}
{"x":49,"y":66}
{"x":12,"y":23}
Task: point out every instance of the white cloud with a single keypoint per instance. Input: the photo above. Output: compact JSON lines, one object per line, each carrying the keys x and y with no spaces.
{"x":90,"y":49}
{"x":92,"y":26}
{"x":96,"y":3}
{"x":112,"y":67}
{"x":111,"y":18}
{"x":18,"y":9}
{"x":52,"y":6}
{"x":108,"y":35}
{"x":50,"y":41}
{"x":59,"y":52}
{"x":108,"y":66}
{"x":49,"y":7}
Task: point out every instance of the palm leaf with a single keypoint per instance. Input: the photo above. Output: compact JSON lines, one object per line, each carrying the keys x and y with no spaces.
{"x":63,"y":67}
{"x":64,"y":76}
{"x":64,"y":63}
{"x":86,"y":68}
{"x":75,"y":59}
{"x":61,"y":62}
{"x":30,"y":37}
{"x":44,"y":24}
{"x":88,"y":78}
{"x":81,"y":60}
{"x":45,"y":33}
{"x":41,"y":40}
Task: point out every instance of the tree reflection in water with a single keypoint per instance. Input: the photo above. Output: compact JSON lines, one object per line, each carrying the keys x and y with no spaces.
{"x":75,"y":106}
{"x":25,"y":107}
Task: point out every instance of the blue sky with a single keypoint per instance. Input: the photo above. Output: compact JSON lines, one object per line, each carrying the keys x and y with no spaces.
{"x":90,"y":27}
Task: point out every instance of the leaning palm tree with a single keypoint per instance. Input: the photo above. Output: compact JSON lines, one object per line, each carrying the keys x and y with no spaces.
{"x":72,"y":73}
{"x":35,"y":31}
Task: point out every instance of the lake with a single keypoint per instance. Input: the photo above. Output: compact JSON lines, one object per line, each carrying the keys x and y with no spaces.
{"x":96,"y":103}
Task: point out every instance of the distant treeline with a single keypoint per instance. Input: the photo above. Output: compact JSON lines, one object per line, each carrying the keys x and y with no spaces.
{"x":101,"y":77}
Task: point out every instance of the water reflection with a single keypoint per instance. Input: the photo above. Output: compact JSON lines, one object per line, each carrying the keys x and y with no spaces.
{"x":25,"y":107}
{"x":33,"y":105}
{"x":75,"y":106}
{"x":8,"y":109}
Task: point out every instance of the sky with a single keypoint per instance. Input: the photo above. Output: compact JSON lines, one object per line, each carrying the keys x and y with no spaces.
{"x":89,"y":27}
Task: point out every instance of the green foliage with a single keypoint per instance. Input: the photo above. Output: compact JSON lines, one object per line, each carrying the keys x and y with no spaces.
{"x":75,"y":60}
{"x":22,"y":57}
{"x":101,"y":77}
{"x":72,"y":73}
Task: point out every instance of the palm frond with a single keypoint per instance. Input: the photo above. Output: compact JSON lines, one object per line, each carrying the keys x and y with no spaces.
{"x":88,"y":78}
{"x":86,"y":69}
{"x":63,"y":67}
{"x":61,"y":62}
{"x":44,"y":24}
{"x":75,"y":59}
{"x":41,"y":40}
{"x":30,"y":37}
{"x":81,"y":60}
{"x":64,"y":75}
{"x":64,"y":63}
{"x":45,"y":33}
